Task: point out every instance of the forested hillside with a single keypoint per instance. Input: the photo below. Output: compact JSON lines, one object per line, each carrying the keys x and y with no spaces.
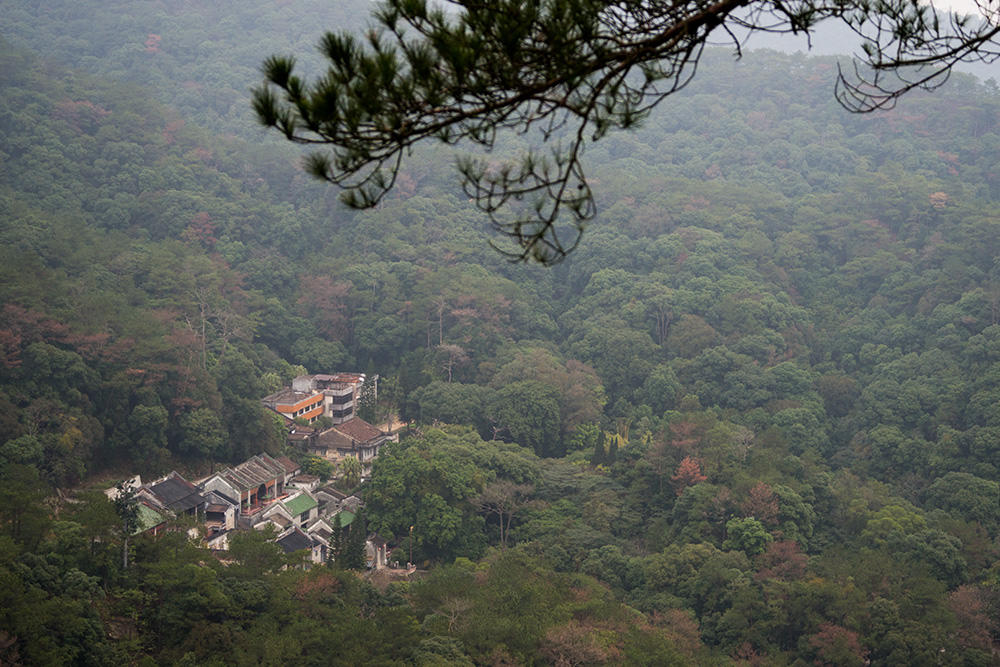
{"x":754,"y":418}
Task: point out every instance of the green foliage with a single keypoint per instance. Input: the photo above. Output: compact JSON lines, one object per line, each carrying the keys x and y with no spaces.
{"x":256,"y":552}
{"x":451,"y":403}
{"x":803,"y":301}
{"x":967,"y":496}
{"x":580,"y":392}
{"x":536,"y":68}
{"x":585,"y":437}
{"x":203,"y":434}
{"x":427,"y":482}
{"x":350,"y":471}
{"x":352,"y":553}
{"x":24,"y":518}
{"x":314,"y":465}
{"x":660,"y":389}
{"x":747,"y":535}
{"x":319,"y":355}
{"x":527,"y":413}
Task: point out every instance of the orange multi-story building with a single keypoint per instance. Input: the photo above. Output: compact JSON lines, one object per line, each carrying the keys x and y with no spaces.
{"x":312,"y":396}
{"x":294,"y":404}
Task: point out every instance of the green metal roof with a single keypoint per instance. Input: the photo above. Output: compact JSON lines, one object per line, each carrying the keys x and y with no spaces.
{"x":148,"y":517}
{"x":300,"y":504}
{"x":345,"y":518}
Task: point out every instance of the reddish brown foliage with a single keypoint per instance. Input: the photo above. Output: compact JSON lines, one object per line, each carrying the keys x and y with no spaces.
{"x":976,"y":626}
{"x":318,"y":584}
{"x":681,"y":629}
{"x":576,"y":644}
{"x":688,"y":473}
{"x":201,"y":153}
{"x":761,"y":504}
{"x":10,"y":348}
{"x":32,"y":326}
{"x":683,"y":435}
{"x":782,"y":560}
{"x":171,"y":130}
{"x":326,"y":302}
{"x":836,"y":645}
{"x":83,"y":115}
{"x":501,"y":657}
{"x":20,"y":327}
{"x":201,"y":231}
{"x":746,"y":654}
{"x":100,"y":346}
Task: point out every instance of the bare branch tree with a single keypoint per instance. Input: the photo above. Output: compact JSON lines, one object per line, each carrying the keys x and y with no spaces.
{"x":503,"y":498}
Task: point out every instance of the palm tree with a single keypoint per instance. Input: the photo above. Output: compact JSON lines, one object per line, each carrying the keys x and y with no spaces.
{"x":350,"y":471}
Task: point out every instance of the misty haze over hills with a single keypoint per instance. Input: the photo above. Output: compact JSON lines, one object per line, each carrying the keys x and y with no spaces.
{"x":835,"y":39}
{"x":753,"y":419}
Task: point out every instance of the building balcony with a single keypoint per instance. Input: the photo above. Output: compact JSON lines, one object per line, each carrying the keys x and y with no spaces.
{"x":262,"y":505}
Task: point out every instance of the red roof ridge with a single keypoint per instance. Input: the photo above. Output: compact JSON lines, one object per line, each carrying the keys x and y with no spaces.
{"x":358,"y":429}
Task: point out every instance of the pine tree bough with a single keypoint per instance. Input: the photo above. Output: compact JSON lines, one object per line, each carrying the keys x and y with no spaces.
{"x":564,"y":72}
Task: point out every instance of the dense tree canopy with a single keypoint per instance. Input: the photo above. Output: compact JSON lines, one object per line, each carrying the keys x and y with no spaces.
{"x":564,"y":72}
{"x":757,"y":413}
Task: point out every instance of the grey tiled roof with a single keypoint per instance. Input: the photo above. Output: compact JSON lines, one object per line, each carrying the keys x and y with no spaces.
{"x":253,"y":472}
{"x":177,"y":493}
{"x":295,"y":541}
{"x":287,"y":396}
{"x":218,"y":498}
